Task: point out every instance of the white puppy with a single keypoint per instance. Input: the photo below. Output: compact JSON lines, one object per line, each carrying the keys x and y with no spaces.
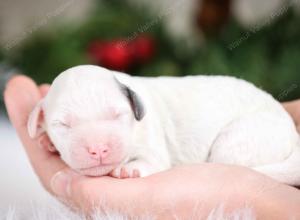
{"x":105,"y":122}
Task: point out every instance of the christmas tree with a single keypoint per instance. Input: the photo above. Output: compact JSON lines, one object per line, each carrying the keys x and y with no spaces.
{"x":121,"y":37}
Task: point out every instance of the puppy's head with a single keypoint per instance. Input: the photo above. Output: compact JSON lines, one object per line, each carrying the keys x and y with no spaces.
{"x":90,"y":117}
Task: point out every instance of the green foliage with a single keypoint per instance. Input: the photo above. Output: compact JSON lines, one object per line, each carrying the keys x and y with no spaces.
{"x":267,"y":56}
{"x":45,"y":54}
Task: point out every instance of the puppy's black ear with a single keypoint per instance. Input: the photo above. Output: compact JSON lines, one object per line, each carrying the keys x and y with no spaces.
{"x":134,"y":100}
{"x":136,"y":104}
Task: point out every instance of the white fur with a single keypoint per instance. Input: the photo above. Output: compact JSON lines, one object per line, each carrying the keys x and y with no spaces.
{"x":56,"y":211}
{"x":188,"y":120}
{"x":22,"y":197}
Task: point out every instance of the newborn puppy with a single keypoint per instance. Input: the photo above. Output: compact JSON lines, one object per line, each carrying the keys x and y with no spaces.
{"x":105,"y":122}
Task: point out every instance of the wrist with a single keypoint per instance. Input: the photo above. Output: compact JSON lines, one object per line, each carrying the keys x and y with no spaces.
{"x":282,"y":202}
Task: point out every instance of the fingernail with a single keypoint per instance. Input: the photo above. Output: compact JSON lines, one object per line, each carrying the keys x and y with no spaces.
{"x":60,"y":184}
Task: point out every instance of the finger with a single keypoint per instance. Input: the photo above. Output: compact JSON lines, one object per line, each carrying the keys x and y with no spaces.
{"x":44,"y":88}
{"x":293,"y":108}
{"x":87,"y":193}
{"x":21,"y":95}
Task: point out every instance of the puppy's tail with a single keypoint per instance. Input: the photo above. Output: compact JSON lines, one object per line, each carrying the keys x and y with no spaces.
{"x":287,"y":171}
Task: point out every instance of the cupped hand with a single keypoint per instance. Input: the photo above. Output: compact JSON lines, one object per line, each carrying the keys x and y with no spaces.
{"x":181,"y":192}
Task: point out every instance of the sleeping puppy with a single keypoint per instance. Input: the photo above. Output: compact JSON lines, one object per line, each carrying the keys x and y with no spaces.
{"x":105,"y":122}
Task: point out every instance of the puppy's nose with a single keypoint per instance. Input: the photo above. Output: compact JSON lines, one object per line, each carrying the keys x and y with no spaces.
{"x":98,"y":152}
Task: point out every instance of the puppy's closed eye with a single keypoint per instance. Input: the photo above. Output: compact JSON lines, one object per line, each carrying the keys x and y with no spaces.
{"x":114,"y":114}
{"x":61,"y":124}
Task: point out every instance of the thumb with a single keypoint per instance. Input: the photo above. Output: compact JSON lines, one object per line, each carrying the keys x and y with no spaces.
{"x":76,"y":191}
{"x":89,"y":193}
{"x":61,"y":183}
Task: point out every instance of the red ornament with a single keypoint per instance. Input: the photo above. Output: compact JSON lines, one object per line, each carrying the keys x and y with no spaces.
{"x":113,"y":55}
{"x":143,"y":47}
{"x":122,"y":54}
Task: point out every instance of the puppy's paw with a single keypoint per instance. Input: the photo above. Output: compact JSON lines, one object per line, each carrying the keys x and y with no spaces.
{"x":133,"y":169}
{"x":126,"y":171}
{"x":45,"y":142}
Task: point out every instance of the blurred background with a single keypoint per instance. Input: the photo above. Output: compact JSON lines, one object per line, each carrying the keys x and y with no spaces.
{"x":251,"y":39}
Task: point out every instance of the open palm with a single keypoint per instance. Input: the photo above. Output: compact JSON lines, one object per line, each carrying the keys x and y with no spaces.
{"x":165,"y":194}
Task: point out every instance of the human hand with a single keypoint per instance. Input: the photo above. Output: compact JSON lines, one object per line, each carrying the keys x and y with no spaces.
{"x":181,"y":191}
{"x":293,"y":108}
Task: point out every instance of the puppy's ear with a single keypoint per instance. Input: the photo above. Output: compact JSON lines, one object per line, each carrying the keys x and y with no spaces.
{"x":136,"y":104}
{"x":36,"y":121}
{"x":134,"y":100}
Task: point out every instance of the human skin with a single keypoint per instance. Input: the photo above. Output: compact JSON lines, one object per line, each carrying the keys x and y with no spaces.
{"x":294,"y":109}
{"x":180,"y":192}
